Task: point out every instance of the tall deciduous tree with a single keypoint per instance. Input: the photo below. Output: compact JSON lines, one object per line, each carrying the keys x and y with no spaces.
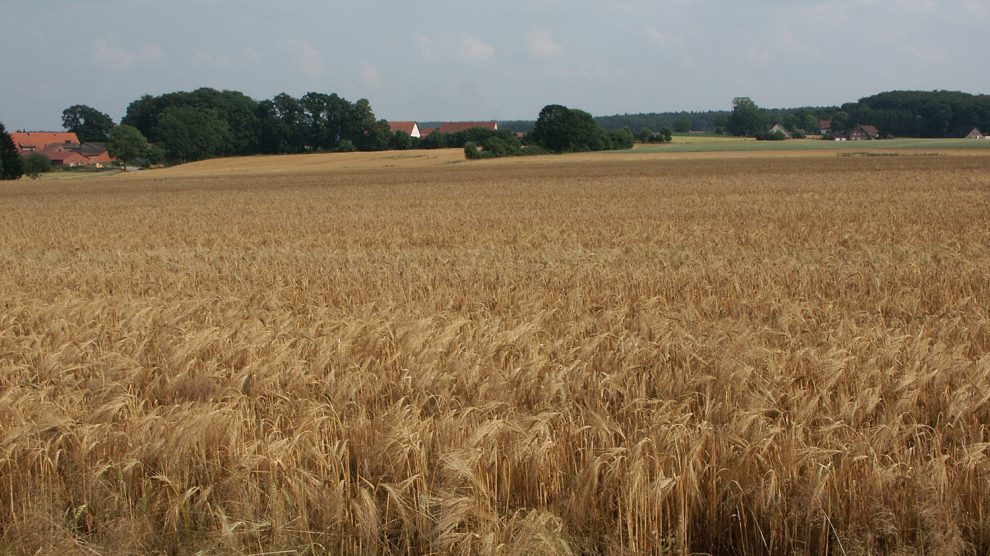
{"x":88,"y":123}
{"x":237,"y":111}
{"x":682,"y":124}
{"x":11,"y":165}
{"x":36,"y":164}
{"x":747,"y":118}
{"x":189,"y":134}
{"x":563,"y":129}
{"x":127,"y":143}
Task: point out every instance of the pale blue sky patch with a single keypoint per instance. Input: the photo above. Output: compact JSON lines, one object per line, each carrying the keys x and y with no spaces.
{"x":467,"y":59}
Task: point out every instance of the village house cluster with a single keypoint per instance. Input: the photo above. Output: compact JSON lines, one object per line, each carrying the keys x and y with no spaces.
{"x":62,"y":148}
{"x":867,"y":132}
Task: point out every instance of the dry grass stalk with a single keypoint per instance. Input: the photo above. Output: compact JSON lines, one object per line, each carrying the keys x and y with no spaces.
{"x":566,"y":356}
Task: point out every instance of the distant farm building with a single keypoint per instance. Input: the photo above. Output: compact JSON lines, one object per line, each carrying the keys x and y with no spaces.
{"x":864,"y":132}
{"x":64,"y":157}
{"x":62,"y":148}
{"x":778,"y":127}
{"x":97,"y":154}
{"x":36,"y":141}
{"x":966,"y":132}
{"x":825,"y":127}
{"x":409,"y":128}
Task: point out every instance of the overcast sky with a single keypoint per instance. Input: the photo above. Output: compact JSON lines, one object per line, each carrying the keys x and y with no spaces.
{"x":493,"y":59}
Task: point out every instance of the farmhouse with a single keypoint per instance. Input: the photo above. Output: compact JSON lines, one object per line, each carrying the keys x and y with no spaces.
{"x":97,"y":154}
{"x":966,"y":132}
{"x":825,"y":127}
{"x":409,"y":128}
{"x":778,"y":127}
{"x":864,"y":132}
{"x":32,"y":141}
{"x":62,"y":148}
{"x":454,"y":127}
{"x":65,"y":157}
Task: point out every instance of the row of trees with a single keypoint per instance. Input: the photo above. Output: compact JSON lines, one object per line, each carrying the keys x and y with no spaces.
{"x":896,"y":113}
{"x":748,"y":119}
{"x":899,"y":113}
{"x":207,"y":123}
{"x":917,"y":113}
{"x":679,"y":122}
{"x":558,"y":129}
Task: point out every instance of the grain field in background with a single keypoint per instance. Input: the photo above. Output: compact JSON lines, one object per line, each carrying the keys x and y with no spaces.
{"x":563,"y":355}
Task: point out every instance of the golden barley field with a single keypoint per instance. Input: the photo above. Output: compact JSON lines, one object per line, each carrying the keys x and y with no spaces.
{"x":410,"y":354}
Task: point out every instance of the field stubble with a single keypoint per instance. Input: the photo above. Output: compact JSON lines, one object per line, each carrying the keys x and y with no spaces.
{"x":741,"y":356}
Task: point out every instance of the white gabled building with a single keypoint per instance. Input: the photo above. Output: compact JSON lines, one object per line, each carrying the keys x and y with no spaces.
{"x":409,"y":128}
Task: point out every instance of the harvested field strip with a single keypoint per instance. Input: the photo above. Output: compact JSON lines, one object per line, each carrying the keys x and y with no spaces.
{"x":562,"y":355}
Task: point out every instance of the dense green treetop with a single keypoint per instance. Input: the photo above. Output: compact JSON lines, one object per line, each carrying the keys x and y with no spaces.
{"x":89,"y":124}
{"x":697,"y":121}
{"x":187,"y":134}
{"x":127,"y":143}
{"x":235,"y":109}
{"x":11,"y":165}
{"x":747,"y":118}
{"x":898,"y":113}
{"x":562,"y":129}
{"x":235,"y":124}
{"x":35,"y":164}
{"x":921,"y":113}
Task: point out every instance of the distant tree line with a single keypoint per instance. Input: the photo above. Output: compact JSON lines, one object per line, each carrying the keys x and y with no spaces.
{"x":749,"y":120}
{"x":910,"y":113}
{"x":679,"y":122}
{"x":896,"y":113}
{"x":205,"y":123}
{"x":917,"y":113}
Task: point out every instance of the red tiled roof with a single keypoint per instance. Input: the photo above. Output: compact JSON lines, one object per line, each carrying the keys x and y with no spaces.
{"x":59,"y":147}
{"x":426,"y":131}
{"x":102,"y":157}
{"x":454,"y":127}
{"x":67,"y":158}
{"x":38,"y":140}
{"x":405,"y":127}
{"x":871,"y":130}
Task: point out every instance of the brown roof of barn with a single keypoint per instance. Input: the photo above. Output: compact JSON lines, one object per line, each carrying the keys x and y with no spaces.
{"x":871,"y":130}
{"x":67,"y":157}
{"x":406,"y":127}
{"x":962,"y":132}
{"x":454,"y":127}
{"x":38,"y":140}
